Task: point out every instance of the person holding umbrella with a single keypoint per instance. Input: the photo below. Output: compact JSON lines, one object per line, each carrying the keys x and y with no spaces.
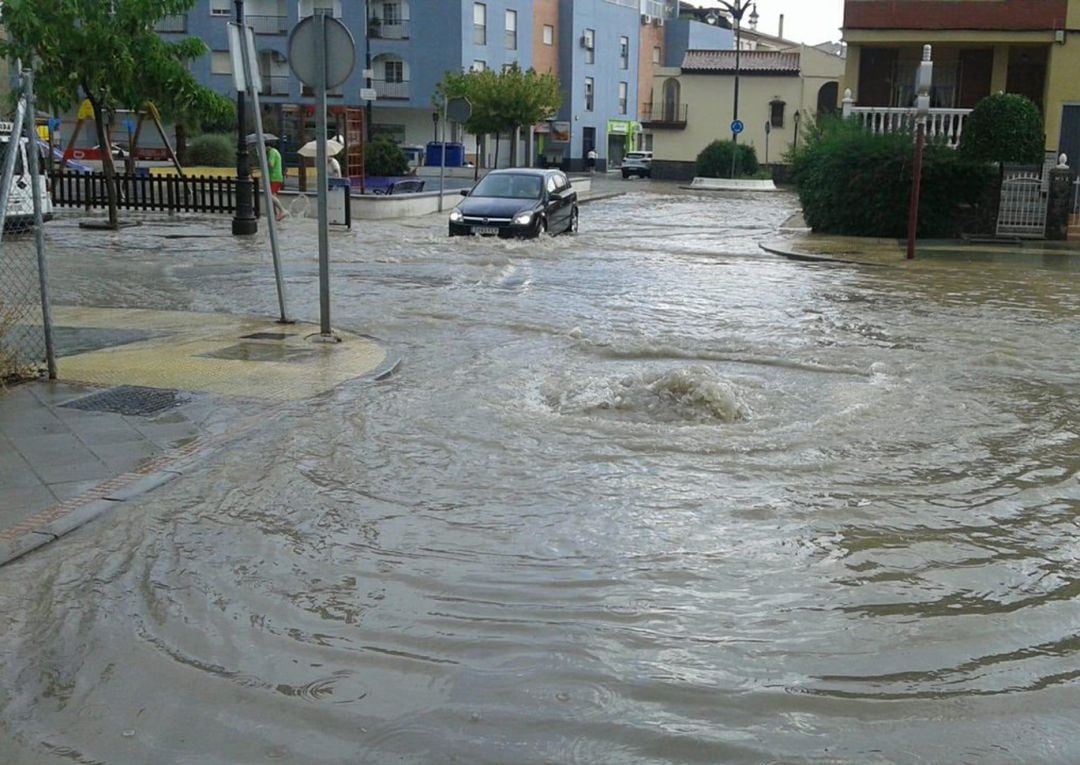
{"x":334,"y":146}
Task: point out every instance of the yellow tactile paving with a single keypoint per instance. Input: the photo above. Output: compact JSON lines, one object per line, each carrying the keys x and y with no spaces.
{"x":179,"y":359}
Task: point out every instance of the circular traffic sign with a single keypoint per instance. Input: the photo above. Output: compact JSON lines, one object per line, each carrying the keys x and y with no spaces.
{"x":736,"y":126}
{"x":459,"y":109}
{"x":339,"y":47}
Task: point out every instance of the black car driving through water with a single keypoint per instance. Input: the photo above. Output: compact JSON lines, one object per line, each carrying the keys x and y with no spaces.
{"x":517,"y":202}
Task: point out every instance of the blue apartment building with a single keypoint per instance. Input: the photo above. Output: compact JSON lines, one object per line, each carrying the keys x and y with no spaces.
{"x":603,"y":52}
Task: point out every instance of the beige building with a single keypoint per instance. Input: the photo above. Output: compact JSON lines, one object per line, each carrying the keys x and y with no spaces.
{"x":1027,"y":47}
{"x":693,"y":105}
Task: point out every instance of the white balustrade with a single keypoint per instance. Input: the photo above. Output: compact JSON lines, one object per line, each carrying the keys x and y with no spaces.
{"x":946,"y":125}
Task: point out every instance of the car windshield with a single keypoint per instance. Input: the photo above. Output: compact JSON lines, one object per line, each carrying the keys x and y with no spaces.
{"x":4,"y":143}
{"x":509,"y":186}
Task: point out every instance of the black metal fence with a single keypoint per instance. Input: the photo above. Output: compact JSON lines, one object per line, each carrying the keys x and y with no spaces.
{"x":172,"y":193}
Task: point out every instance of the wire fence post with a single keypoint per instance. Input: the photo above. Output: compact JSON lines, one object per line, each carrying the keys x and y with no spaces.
{"x":25,"y":325}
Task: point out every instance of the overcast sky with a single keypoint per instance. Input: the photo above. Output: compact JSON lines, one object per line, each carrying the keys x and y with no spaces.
{"x":809,"y":21}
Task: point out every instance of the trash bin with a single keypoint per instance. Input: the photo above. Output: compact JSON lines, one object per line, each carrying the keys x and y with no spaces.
{"x":337,"y":202}
{"x":455,"y":154}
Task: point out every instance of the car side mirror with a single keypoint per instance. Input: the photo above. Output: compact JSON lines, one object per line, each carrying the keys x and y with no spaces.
{"x":555,"y":196}
{"x":464,"y":192}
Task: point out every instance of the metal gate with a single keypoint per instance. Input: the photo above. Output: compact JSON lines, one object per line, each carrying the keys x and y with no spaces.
{"x":1022,"y":213}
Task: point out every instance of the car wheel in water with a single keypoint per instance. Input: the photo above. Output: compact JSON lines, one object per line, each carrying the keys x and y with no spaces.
{"x":573,"y":227}
{"x":625,"y":174}
{"x":541,"y":227}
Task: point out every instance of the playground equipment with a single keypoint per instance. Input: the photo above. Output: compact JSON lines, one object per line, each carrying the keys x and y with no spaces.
{"x":131,"y":122}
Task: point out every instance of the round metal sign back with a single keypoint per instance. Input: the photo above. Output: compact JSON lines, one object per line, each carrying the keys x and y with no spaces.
{"x":459,"y":109}
{"x":340,"y":52}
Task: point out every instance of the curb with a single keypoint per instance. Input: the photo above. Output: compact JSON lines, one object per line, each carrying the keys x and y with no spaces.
{"x":812,"y":258}
{"x":601,"y":197}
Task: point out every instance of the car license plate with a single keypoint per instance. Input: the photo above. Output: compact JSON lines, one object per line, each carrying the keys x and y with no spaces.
{"x":485,"y":230}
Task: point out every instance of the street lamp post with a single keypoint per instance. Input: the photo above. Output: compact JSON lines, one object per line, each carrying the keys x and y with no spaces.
{"x":244,"y":222}
{"x":923,"y":82}
{"x":737,"y":9}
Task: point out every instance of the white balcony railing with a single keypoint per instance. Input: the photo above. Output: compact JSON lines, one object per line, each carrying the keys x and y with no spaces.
{"x":391,"y":90}
{"x":945,"y":125}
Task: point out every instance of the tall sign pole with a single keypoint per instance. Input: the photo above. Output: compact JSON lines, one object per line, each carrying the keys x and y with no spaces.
{"x":922,"y":111}
{"x":320,"y":159}
{"x":322,"y":54}
{"x":248,"y":80}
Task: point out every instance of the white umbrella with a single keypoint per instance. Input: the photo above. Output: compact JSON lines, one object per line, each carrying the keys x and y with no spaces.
{"x":267,"y":137}
{"x":333,"y":146}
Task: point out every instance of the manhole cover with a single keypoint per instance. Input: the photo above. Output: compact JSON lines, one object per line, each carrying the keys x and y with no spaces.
{"x":266,"y":336}
{"x":261,"y":352}
{"x":130,"y":400}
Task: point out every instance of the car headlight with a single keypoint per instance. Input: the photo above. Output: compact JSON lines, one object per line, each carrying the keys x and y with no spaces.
{"x":523,"y":219}
{"x":456,"y":216}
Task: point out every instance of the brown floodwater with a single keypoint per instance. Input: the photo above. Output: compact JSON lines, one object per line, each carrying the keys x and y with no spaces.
{"x":644,"y":495}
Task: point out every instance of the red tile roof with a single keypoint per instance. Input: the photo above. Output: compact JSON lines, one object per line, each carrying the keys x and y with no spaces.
{"x":750,"y":62}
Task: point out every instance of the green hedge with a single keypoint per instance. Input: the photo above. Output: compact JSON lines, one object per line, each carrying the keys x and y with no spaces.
{"x":714,"y":161}
{"x":213,"y":150}
{"x":1004,"y":128}
{"x":383,"y":157}
{"x":858,"y":183}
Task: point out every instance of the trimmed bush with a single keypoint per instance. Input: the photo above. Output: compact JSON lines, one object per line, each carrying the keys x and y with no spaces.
{"x":854,"y":182}
{"x":714,"y":161}
{"x":212,"y":150}
{"x":1004,"y":128}
{"x":383,"y":157}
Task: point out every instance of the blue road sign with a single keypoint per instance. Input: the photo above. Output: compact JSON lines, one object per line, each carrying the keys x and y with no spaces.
{"x":736,"y":127}
{"x":54,"y":123}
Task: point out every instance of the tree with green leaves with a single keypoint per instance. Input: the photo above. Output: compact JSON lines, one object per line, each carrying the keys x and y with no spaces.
{"x":107,"y":52}
{"x":1004,"y":127}
{"x":503,"y":101}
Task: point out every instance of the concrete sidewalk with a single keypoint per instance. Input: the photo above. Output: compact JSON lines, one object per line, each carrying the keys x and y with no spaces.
{"x":143,"y":394}
{"x":795,"y":240}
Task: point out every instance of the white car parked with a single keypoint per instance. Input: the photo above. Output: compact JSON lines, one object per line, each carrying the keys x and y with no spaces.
{"x":637,"y":163}
{"x":20,"y":205}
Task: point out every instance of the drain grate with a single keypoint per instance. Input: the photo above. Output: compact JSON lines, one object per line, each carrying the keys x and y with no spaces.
{"x":129,"y":400}
{"x":266,"y":336}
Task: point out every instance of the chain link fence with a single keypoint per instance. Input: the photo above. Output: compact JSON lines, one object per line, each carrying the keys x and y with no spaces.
{"x":25,"y":334}
{"x":22,"y":327}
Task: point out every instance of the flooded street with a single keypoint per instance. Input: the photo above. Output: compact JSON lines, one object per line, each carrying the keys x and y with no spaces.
{"x":644,"y":495}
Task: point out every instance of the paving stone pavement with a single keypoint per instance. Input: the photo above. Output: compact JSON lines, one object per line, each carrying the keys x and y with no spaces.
{"x":141,"y":394}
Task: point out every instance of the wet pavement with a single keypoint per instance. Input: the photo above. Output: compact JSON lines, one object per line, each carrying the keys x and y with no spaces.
{"x":140,"y":393}
{"x":648,"y":494}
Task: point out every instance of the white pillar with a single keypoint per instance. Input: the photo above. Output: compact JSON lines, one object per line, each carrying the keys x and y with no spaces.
{"x":848,"y":102}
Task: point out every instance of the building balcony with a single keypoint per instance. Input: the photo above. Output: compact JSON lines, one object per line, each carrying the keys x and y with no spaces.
{"x":391,"y":90}
{"x":268,"y":25}
{"x":664,"y":116}
{"x":276,"y":85}
{"x":386,"y":30}
{"x":944,"y":125}
{"x":176,"y":24}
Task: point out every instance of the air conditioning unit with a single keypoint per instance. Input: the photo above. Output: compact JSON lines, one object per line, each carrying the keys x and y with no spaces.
{"x":646,"y":19}
{"x":659,"y":21}
{"x":586,"y":42}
